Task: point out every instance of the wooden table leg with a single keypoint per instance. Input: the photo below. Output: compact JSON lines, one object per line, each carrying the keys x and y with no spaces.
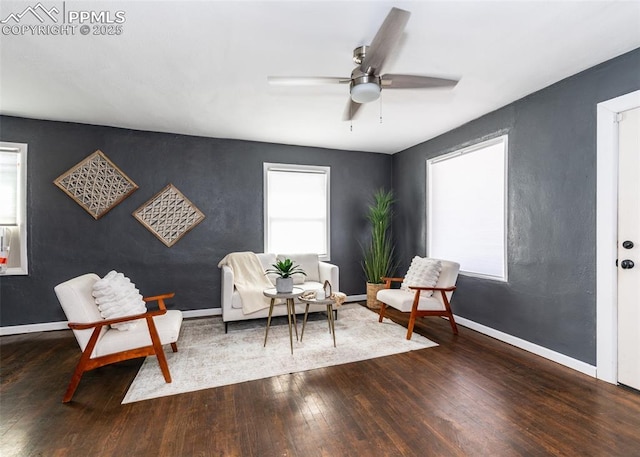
{"x":332,"y":327}
{"x":295,"y":322}
{"x":304,"y":322}
{"x":268,"y":322}
{"x":289,"y":305}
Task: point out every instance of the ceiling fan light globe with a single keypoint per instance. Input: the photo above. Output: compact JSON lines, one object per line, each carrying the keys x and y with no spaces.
{"x":365,"y":92}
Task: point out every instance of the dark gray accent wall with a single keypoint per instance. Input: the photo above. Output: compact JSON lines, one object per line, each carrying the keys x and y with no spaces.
{"x":549,"y":298}
{"x":221,"y":177}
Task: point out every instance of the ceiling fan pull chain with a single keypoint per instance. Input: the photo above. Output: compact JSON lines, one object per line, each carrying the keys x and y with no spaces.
{"x":381,"y":108}
{"x":350,"y":117}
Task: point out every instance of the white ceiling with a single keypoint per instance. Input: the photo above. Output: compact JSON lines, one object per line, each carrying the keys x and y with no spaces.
{"x":200,"y":68}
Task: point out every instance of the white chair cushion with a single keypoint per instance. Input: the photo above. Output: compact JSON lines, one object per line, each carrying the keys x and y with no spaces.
{"x":75,"y":298}
{"x":311,"y":285}
{"x":267,"y":260}
{"x":168,"y":326}
{"x":116,"y":296}
{"x":308,"y":262}
{"x":236,"y":301}
{"x":78,"y":305}
{"x":423,"y":272}
{"x":403,"y":300}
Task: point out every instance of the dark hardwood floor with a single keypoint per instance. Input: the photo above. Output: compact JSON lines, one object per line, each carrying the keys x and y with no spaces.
{"x":470,"y":396}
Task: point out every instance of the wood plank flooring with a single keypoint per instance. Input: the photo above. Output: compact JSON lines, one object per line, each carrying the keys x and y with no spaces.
{"x":470,"y":396}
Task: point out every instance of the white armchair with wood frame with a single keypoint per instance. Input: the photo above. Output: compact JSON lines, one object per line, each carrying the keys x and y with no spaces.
{"x":102,"y":345}
{"x":420,"y":300}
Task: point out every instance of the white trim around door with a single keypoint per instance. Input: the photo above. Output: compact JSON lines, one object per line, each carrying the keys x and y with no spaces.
{"x":607,"y":233}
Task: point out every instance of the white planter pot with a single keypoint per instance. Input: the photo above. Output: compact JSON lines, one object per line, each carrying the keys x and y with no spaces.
{"x":284,"y":285}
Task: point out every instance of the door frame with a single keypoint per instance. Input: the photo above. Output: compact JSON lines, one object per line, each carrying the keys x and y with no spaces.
{"x":607,"y":233}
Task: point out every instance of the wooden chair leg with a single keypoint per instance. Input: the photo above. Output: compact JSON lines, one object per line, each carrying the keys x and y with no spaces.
{"x":164,"y":367}
{"x":174,"y":347}
{"x":155,"y":339}
{"x":414,"y":313}
{"x":82,"y":365}
{"x":75,"y":380}
{"x":447,"y":306}
{"x":383,"y":307}
{"x":452,"y":321}
{"x":412,"y":321}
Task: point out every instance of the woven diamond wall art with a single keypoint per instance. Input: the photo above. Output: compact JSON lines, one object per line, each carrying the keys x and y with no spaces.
{"x":96,"y":184}
{"x":169,"y":215}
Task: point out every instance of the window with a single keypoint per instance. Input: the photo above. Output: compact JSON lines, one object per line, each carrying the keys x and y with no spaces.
{"x":466,"y":208}
{"x":296,"y":209}
{"x":13,"y":208}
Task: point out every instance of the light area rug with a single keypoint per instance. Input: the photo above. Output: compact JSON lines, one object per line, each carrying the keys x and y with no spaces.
{"x":207,"y":357}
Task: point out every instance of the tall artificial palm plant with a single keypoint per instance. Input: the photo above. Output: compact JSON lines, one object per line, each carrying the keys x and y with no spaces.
{"x":378,"y":255}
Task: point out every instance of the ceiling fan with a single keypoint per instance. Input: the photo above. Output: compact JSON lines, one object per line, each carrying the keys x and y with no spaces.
{"x":366,"y":81}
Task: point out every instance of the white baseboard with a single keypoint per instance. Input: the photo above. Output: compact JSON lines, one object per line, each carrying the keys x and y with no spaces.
{"x":562,"y":359}
{"x":62,"y":325}
{"x":351,"y":298}
{"x":202,"y":313}
{"x":32,"y":328}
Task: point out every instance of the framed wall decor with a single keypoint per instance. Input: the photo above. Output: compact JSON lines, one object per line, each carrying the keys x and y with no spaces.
{"x":96,"y":184}
{"x":169,"y":215}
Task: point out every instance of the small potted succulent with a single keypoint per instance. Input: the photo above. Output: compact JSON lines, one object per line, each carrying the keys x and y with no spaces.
{"x":285,"y":269}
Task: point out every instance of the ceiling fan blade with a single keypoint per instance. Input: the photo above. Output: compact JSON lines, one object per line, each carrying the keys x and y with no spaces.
{"x":351,"y":110}
{"x":385,"y":40}
{"x":305,"y":80}
{"x":390,"y":81}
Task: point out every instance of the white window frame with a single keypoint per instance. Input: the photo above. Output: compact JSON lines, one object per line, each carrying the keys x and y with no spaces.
{"x":315,"y":169}
{"x":20,"y":230}
{"x":476,"y":147}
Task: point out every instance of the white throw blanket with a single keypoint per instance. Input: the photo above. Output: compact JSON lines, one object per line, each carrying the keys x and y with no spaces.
{"x":249,"y":279}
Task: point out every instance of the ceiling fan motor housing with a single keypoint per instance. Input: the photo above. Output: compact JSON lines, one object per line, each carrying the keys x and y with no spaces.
{"x":359,"y":53}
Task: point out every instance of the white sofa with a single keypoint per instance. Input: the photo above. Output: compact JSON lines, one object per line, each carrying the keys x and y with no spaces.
{"x":317,"y":273}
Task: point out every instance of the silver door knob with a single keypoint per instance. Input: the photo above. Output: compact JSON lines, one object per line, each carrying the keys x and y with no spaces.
{"x":627,"y":264}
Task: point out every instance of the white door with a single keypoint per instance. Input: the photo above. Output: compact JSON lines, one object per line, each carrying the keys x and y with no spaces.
{"x":629,"y":249}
